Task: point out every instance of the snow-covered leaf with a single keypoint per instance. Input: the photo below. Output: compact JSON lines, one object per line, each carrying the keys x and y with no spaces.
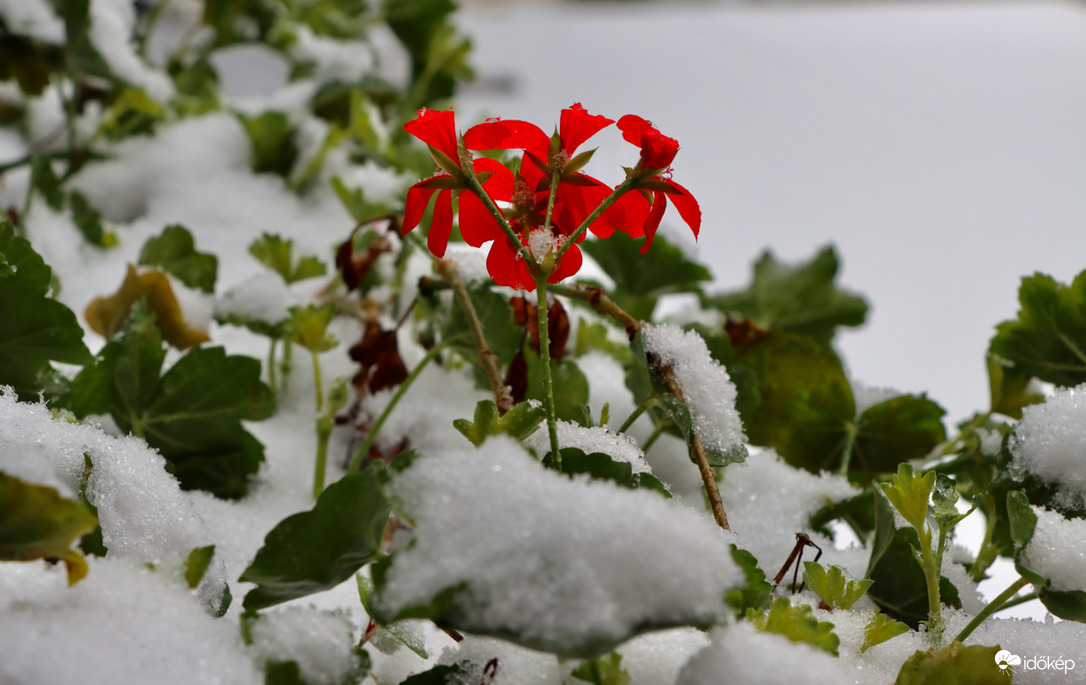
{"x":318,"y":549}
{"x":600,"y":466}
{"x":796,"y":623}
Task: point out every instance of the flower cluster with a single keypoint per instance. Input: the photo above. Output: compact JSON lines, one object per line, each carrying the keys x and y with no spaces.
{"x":535,"y":215}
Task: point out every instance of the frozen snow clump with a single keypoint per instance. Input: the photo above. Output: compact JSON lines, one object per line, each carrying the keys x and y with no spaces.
{"x":1056,"y":550}
{"x":589,"y":439}
{"x":1050,"y":443}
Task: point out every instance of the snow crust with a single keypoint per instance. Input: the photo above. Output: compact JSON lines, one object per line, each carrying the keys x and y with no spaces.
{"x":1050,"y":443}
{"x":707,"y":389}
{"x":319,"y":641}
{"x":548,"y":557}
{"x":34,"y":18}
{"x":619,"y":447}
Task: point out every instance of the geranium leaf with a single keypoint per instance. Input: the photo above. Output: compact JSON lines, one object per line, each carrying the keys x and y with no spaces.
{"x":880,"y":629}
{"x":1010,"y":388}
{"x":909,"y":493}
{"x":278,"y":254}
{"x":36,"y":329}
{"x":895,"y":431}
{"x":318,"y":549}
{"x":603,"y":670}
{"x":519,"y":422}
{"x":799,"y":298}
{"x":272,"y":139}
{"x":755,"y":592}
{"x":89,"y":221}
{"x":175,"y":251}
{"x":308,"y":327}
{"x":954,"y":664}
{"x":795,"y":623}
{"x":805,"y":400}
{"x":640,"y":280}
{"x":107,"y":315}
{"x":570,"y":386}
{"x":37,"y":523}
{"x":1048,"y":339}
{"x":833,"y":585}
{"x":495,"y":315}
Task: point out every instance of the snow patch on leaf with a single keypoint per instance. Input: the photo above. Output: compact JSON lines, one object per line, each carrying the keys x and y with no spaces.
{"x":1050,"y":442}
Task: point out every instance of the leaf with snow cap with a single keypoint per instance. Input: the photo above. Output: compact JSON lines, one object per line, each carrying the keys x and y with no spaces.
{"x":1023,"y":521}
{"x":799,"y":298}
{"x":955,"y":664}
{"x":316,"y":550}
{"x":1048,"y":339}
{"x":175,"y":251}
{"x":601,"y":466}
{"x":641,"y":279}
{"x":37,"y":523}
{"x":1010,"y":388}
{"x":36,"y":329}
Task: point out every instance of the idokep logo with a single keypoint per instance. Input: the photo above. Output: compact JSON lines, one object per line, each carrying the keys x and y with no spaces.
{"x":1006,"y":661}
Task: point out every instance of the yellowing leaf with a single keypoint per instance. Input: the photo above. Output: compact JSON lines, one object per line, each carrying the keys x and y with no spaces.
{"x":37,"y":523}
{"x":107,"y":315}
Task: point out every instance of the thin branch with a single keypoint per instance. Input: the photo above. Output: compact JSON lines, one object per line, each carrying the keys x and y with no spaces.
{"x":487,"y":359}
{"x":599,"y":301}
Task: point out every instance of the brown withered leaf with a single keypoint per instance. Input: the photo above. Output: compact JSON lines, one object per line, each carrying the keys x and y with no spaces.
{"x":743,"y":332}
{"x":356,"y":266}
{"x":107,"y":315}
{"x":379,"y":356}
{"x":527,"y":315}
{"x":516,"y":379}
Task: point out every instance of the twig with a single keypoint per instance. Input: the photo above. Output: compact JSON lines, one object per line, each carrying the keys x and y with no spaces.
{"x":599,"y":301}
{"x":487,"y":359}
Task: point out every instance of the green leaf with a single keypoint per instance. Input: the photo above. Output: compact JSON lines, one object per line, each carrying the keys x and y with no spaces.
{"x":895,"y":431}
{"x":29,"y":61}
{"x":416,"y":643}
{"x":192,"y":414}
{"x":755,"y":592}
{"x":909,"y":493}
{"x":438,"y":54}
{"x":944,"y":498}
{"x":89,"y":221}
{"x":954,"y":664}
{"x":35,"y":329}
{"x":880,"y":629}
{"x":197,"y":563}
{"x":805,"y":399}
{"x":600,"y":466}
{"x":197,"y":86}
{"x":1021,"y":518}
{"x":278,"y":255}
{"x":355,"y":202}
{"x":603,"y":670}
{"x":520,"y":421}
{"x":503,"y":336}
{"x":1010,"y":388}
{"x":834,"y":585}
{"x":441,"y":675}
{"x":570,"y":385}
{"x":175,"y":251}
{"x":308,"y":327}
{"x":641,"y":279}
{"x":799,"y":298}
{"x":45,"y":181}
{"x":795,"y":623}
{"x":37,"y":523}
{"x":318,"y":549}
{"x":272,"y":137}
{"x":1048,"y":339}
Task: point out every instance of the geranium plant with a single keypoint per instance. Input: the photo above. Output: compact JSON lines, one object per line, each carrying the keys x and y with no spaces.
{"x":494,"y":468}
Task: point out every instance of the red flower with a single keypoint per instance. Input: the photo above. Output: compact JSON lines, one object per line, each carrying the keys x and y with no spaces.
{"x":438,"y":130}
{"x":654,"y":178}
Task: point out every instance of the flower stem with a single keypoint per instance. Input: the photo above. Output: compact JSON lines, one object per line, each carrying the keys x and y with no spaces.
{"x":324,"y":433}
{"x":371,"y":436}
{"x":993,"y":606}
{"x":598,"y":300}
{"x":318,"y":383}
{"x":488,"y":202}
{"x":545,"y":360}
{"x":931,"y":564}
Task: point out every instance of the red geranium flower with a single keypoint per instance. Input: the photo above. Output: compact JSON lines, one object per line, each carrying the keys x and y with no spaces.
{"x":654,"y":178}
{"x":438,"y":130}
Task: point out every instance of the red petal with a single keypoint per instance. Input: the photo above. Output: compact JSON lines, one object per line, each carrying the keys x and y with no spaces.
{"x":477,"y":224}
{"x":506,"y":269}
{"x":441,"y":224}
{"x":632,"y":126}
{"x":687,"y":206}
{"x":570,"y":265}
{"x":659,"y":204}
{"x":415,"y":207}
{"x":437,"y":128}
{"x":657,"y":149}
{"x":627,"y":214}
{"x":508,"y":134}
{"x":500,"y":184}
{"x":577,"y":125}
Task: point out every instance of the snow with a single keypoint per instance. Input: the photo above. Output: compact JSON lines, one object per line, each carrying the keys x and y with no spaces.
{"x":1057,"y":550}
{"x":742,"y":655}
{"x":556,"y":562}
{"x":1050,"y":441}
{"x":111,"y":23}
{"x":706,"y":387}
{"x":34,"y":18}
{"x":619,"y":447}
{"x":318,"y":641}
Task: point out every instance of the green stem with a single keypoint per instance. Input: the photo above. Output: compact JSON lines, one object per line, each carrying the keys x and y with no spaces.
{"x":317,"y":381}
{"x":993,"y":606}
{"x":931,"y":564}
{"x":545,"y":359}
{"x":846,"y":451}
{"x":488,"y":202}
{"x":641,"y":409}
{"x":371,"y":436}
{"x":271,"y":367}
{"x":656,"y":432}
{"x":324,"y":432}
